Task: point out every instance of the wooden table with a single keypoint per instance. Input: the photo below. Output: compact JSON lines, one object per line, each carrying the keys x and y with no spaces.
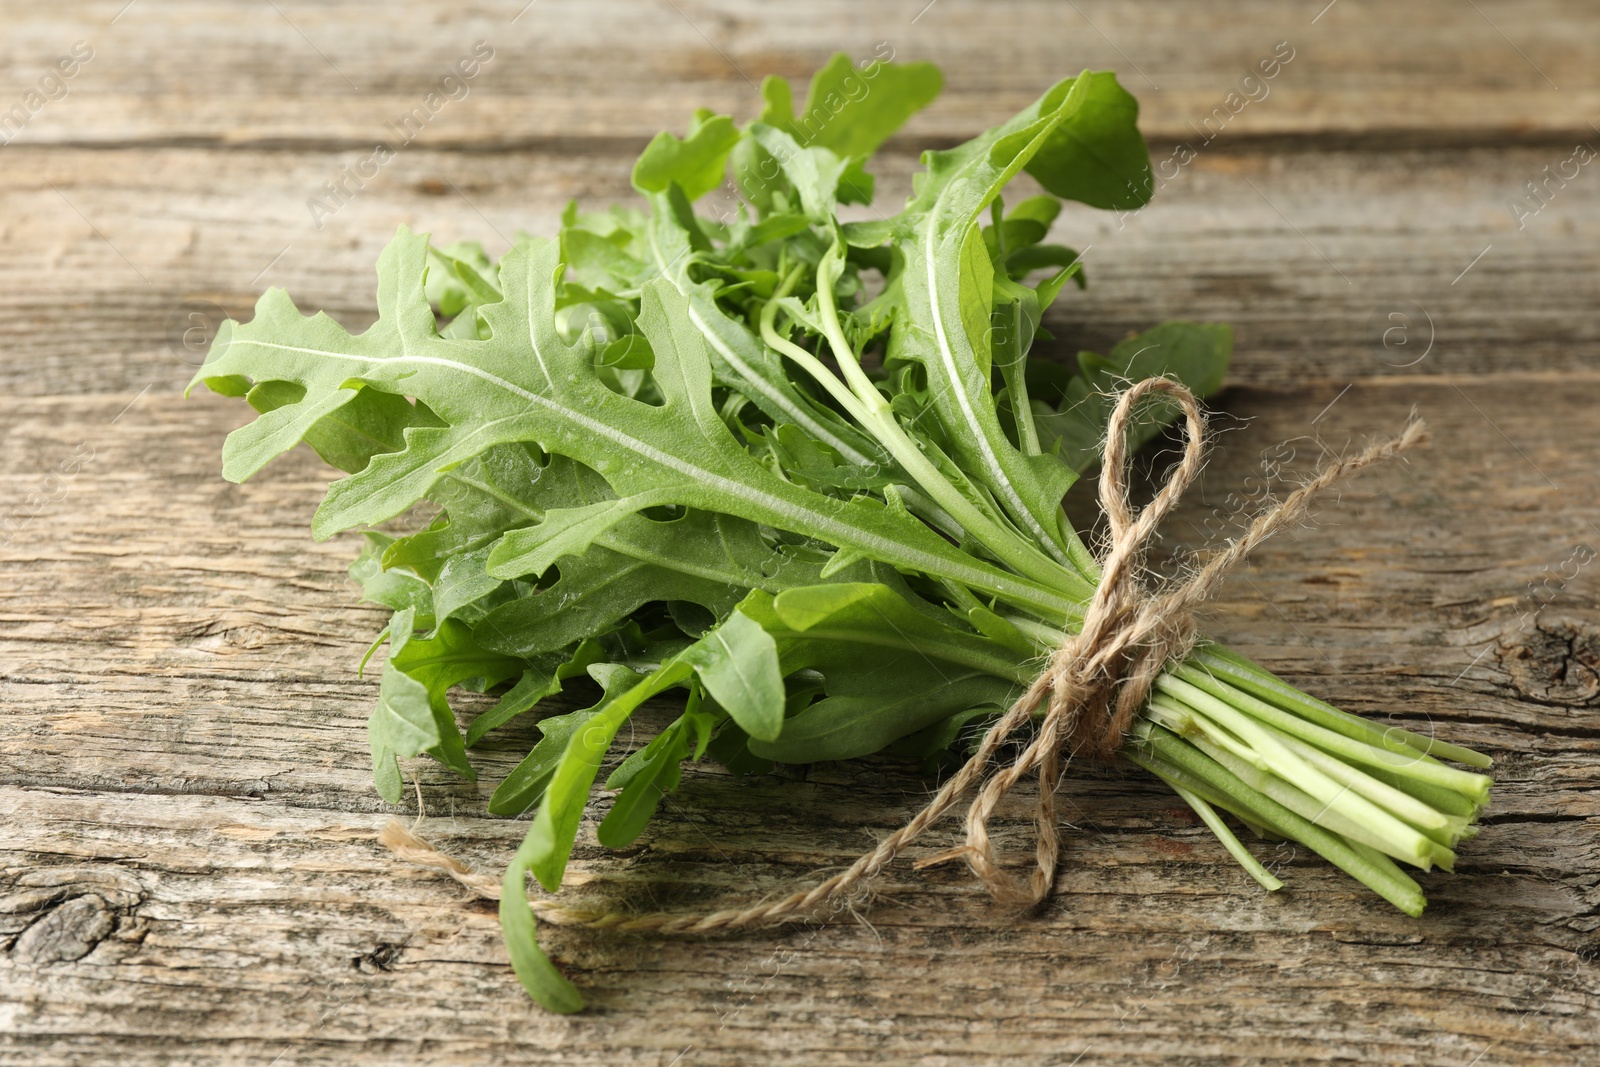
{"x":189,"y":866}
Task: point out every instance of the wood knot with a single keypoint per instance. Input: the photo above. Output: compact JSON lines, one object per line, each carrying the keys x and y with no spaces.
{"x":1554,"y":661}
{"x":67,"y":932}
{"x":62,"y":914}
{"x":380,"y":960}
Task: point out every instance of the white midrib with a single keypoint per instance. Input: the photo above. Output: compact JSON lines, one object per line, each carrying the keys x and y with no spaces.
{"x":791,"y":410}
{"x":793,"y":518}
{"x":991,"y":461}
{"x":989,"y":665}
{"x":623,"y":547}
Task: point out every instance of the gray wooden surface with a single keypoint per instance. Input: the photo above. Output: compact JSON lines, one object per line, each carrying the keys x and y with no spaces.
{"x":188,"y":871}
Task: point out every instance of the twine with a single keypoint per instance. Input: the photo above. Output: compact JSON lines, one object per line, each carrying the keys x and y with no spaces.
{"x":1092,"y":688}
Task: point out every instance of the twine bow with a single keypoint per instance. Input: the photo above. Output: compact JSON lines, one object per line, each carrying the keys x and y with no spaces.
{"x":1092,"y":688}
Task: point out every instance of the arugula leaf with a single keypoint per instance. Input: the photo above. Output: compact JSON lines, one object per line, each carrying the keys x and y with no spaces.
{"x":488,"y":392}
{"x":402,"y":725}
{"x":814,"y":173}
{"x":852,"y":111}
{"x":808,"y":471}
{"x":546,"y":985}
{"x":527,"y":782}
{"x":877,"y":654}
{"x":647,"y":776}
{"x":656,"y":776}
{"x":461,"y":281}
{"x":564,"y":532}
{"x":542,"y":678}
{"x":412,"y":714}
{"x":550,"y":838}
{"x":1098,"y":158}
{"x":349,"y":436}
{"x":874,"y":708}
{"x":393,"y":589}
{"x":694,"y":164}
{"x":1195,"y":354}
{"x":739,"y":359}
{"x":738,"y":664}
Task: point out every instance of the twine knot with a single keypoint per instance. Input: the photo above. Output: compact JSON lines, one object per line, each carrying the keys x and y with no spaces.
{"x":1092,"y":688}
{"x":1096,"y":682}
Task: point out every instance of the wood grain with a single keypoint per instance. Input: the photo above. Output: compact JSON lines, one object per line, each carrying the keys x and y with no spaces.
{"x":188,"y":870}
{"x":184,"y":752}
{"x":221,"y":73}
{"x":1307,"y":252}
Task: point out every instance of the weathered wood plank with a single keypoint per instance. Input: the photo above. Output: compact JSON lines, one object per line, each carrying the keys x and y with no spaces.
{"x":1308,"y":252}
{"x":229,"y":73}
{"x":187,"y":869}
{"x":167,"y":635}
{"x":289,"y":934}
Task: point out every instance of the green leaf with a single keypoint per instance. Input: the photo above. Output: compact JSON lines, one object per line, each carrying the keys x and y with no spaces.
{"x":940,"y":292}
{"x":546,"y":985}
{"x":933,"y":744}
{"x":526,"y":784}
{"x":228,"y":385}
{"x":1098,"y":156}
{"x":1014,"y":322}
{"x":543,"y":678}
{"x":550,"y":838}
{"x":694,"y":164}
{"x":655,"y":774}
{"x":695,"y":728}
{"x":451,"y":656}
{"x":403,"y":723}
{"x":393,"y":589}
{"x":1042,"y":210}
{"x":813,"y":172}
{"x":277,"y":430}
{"x":740,"y":361}
{"x":1195,"y":354}
{"x":852,"y":110}
{"x":814,"y":623}
{"x":431,"y":666}
{"x":462,"y":280}
{"x":1002,"y":632}
{"x":777,"y":100}
{"x":856,"y":186}
{"x":1025,"y":261}
{"x":628,"y":353}
{"x":738,"y":664}
{"x":489,"y":392}
{"x":877,"y":711}
{"x":385,"y":769}
{"x":599,"y":261}
{"x":465,"y":590}
{"x":976,"y":287}
{"x":593,"y":595}
{"x":350,"y":435}
{"x":470,"y":281}
{"x":890,"y":668}
{"x":563,"y":532}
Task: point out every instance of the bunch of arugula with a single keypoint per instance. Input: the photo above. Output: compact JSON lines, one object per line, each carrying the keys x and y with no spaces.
{"x":800,"y":468}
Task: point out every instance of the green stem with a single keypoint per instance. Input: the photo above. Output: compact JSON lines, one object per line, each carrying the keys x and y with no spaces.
{"x":1373,"y":870}
{"x":1442,"y":828}
{"x":1419,"y":852}
{"x":1229,"y":840}
{"x":1387,"y":832}
{"x":1409,"y":765}
{"x":871,"y":411}
{"x":1255,"y":679}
